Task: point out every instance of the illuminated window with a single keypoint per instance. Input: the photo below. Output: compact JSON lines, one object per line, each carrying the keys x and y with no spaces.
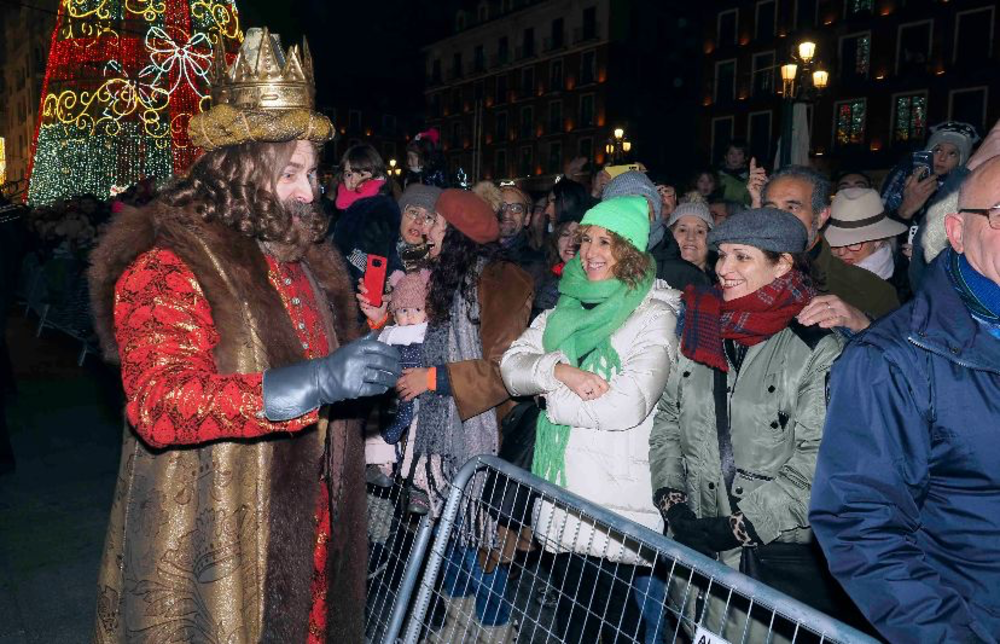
{"x":857,"y":6}
{"x":763,"y":73}
{"x":909,"y":117}
{"x":855,"y":56}
{"x":850,"y":119}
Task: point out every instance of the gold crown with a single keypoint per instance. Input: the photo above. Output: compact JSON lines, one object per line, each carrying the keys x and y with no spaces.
{"x":265,"y":77}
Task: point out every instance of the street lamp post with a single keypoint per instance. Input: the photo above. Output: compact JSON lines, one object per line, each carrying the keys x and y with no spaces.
{"x":801,"y":82}
{"x":618,"y":146}
{"x":393,"y":170}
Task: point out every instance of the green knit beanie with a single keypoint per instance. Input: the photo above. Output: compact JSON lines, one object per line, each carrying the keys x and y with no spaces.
{"x":626,"y":216}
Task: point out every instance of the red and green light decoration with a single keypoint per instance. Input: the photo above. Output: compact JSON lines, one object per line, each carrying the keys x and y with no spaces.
{"x":123,"y":79}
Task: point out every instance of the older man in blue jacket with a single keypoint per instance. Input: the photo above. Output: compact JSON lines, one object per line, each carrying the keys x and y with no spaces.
{"x":906,"y":498}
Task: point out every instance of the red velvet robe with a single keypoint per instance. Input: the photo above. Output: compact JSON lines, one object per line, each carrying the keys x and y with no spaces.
{"x":175,"y":395}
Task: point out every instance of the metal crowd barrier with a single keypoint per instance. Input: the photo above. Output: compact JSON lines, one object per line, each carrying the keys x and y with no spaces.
{"x":397,"y":542}
{"x":593,"y":576}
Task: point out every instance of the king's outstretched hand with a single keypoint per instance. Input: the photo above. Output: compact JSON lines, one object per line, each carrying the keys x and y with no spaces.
{"x":365,"y":367}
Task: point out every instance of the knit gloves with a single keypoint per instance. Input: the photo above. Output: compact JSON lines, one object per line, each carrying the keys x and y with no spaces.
{"x":708,"y":536}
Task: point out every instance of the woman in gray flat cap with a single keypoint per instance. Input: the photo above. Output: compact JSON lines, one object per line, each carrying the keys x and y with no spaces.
{"x":734,"y":443}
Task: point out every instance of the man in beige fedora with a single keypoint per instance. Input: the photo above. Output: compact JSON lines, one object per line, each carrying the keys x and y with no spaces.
{"x":860,"y":233}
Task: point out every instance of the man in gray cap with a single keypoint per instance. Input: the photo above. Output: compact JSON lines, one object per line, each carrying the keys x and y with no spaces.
{"x":670,"y":267}
{"x":850,"y":297}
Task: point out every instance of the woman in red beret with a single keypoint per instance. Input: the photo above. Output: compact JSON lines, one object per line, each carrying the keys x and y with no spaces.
{"x":477,"y":305}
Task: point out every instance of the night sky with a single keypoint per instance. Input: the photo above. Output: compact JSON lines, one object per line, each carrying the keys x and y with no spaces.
{"x":366,"y":53}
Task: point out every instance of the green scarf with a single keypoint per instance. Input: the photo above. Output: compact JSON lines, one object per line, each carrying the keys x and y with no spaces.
{"x":583,"y":334}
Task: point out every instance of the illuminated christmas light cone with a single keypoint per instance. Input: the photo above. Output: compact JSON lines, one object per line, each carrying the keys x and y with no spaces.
{"x":123,"y":79}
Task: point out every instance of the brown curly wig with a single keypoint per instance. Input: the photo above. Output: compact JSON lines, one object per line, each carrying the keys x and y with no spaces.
{"x":631,"y":265}
{"x":236,"y":185}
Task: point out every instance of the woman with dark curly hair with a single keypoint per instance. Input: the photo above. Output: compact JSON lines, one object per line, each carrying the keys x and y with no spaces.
{"x":600,"y":360}
{"x":369,"y":218}
{"x":477,"y":304}
{"x":565,"y":207}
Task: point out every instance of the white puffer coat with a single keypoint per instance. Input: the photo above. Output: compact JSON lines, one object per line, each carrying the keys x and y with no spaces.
{"x":607,"y":458}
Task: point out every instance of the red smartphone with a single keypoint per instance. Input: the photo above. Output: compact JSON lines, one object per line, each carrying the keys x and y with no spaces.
{"x":375,"y":279}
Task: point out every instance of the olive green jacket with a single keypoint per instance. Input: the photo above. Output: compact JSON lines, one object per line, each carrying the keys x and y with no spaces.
{"x":861,"y":289}
{"x":777,"y":407}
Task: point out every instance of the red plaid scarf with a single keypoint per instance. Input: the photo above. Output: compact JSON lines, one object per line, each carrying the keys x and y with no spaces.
{"x":749,"y":320}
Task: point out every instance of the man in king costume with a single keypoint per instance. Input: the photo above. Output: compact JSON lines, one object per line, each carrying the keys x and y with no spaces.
{"x":239,"y":513}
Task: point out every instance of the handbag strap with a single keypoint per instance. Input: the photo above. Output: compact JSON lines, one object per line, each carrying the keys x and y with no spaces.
{"x":722,"y":428}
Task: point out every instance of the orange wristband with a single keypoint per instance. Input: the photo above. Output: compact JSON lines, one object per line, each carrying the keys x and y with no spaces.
{"x":432,"y":378}
{"x":375,"y":326}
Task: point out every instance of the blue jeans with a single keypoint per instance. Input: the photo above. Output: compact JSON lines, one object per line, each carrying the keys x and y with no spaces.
{"x":650,"y":594}
{"x":463,"y":575}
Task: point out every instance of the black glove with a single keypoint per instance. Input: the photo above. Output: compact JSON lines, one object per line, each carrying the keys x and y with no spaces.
{"x":365,"y":367}
{"x":708,"y":536}
{"x":378,"y":236}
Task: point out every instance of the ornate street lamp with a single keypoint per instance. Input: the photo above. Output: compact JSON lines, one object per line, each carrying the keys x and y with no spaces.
{"x":393,"y":170}
{"x":618,"y":146}
{"x":801,"y":82}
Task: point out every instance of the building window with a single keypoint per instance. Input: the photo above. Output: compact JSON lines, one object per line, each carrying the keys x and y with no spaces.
{"x":725,"y":80}
{"x":484,"y":12}
{"x":974,"y":36}
{"x":587,"y":110}
{"x":528,"y":82}
{"x":527,"y":122}
{"x":456,"y":101}
{"x":501,"y":97}
{"x":763,"y":73}
{"x":528,"y":42}
{"x":555,"y":117}
{"x":456,"y":65}
{"x":503,"y":50}
{"x":436,"y":105}
{"x":855,"y":56}
{"x":389,"y":124}
{"x":854,"y":7}
{"x":525,"y":162}
{"x":500,"y":164}
{"x":354,"y":120}
{"x":805,"y":13}
{"x":722,"y":134}
{"x":725,"y":28}
{"x":500,"y":121}
{"x":436,"y":71}
{"x":913,"y":47}
{"x":590,"y":23}
{"x":456,"y":134}
{"x":849,"y":122}
{"x":479,"y":59}
{"x":766,"y":20}
{"x":555,"y":164}
{"x":588,"y":67}
{"x":759,"y":130}
{"x":969,"y":106}
{"x":478,"y":90}
{"x":585,"y":148}
{"x":558,"y":37}
{"x":388,"y":151}
{"x":909,"y":117}
{"x":555,"y":75}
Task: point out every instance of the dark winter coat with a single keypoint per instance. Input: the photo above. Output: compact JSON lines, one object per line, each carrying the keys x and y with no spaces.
{"x":369,"y":226}
{"x":906,"y":498}
{"x":677,"y":272}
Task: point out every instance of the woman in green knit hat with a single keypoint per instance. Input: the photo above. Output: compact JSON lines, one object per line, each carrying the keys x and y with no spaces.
{"x":600,"y":361}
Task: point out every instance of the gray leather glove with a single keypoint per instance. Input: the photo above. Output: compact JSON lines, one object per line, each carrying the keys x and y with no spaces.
{"x":365,"y":367}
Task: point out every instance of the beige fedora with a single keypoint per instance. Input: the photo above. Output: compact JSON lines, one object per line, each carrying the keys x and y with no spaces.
{"x":857,"y":215}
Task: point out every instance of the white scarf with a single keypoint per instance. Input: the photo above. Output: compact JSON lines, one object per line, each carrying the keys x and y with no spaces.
{"x":880,"y":262}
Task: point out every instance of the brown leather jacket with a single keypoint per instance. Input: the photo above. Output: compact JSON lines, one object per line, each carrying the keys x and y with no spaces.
{"x":505,"y":296}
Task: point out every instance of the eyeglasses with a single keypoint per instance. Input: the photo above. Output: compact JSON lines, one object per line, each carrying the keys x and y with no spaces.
{"x":853,"y":247}
{"x":992,"y":214}
{"x":418,"y":217}
{"x":514,"y":208}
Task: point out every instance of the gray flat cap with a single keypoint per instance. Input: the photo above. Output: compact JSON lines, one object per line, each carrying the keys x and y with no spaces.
{"x":764,"y":228}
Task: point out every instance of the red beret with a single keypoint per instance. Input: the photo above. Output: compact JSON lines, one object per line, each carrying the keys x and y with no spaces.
{"x":470,"y":214}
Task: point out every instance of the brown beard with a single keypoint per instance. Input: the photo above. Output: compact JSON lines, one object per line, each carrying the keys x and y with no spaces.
{"x":308,"y":227}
